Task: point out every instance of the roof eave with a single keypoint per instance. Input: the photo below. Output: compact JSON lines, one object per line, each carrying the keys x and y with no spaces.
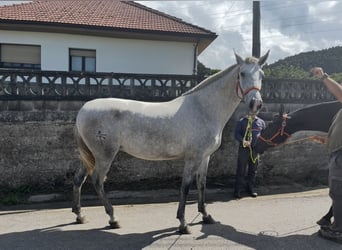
{"x":203,"y":40}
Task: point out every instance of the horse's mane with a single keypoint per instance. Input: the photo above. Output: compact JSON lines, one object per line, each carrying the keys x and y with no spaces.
{"x":209,"y":80}
{"x":251,"y":59}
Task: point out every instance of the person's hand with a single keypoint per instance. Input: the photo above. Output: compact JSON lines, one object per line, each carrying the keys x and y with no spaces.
{"x":317,"y":72}
{"x":246,"y":143}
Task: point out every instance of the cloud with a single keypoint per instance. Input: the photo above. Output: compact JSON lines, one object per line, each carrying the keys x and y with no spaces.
{"x":287,"y":27}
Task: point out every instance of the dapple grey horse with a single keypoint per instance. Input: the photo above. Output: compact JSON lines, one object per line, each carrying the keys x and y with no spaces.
{"x":188,"y":127}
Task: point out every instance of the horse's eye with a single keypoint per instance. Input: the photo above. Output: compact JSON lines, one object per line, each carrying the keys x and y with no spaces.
{"x":242,"y":74}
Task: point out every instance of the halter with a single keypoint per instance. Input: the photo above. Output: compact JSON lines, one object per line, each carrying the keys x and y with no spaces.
{"x":243,"y":93}
{"x":280,"y":132}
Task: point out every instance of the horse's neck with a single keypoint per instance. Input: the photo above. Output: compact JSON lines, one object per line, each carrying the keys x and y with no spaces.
{"x":314,"y":118}
{"x":219,"y":99}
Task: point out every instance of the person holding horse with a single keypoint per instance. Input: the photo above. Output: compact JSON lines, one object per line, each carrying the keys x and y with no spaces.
{"x":334,"y":143}
{"x":247,"y":132}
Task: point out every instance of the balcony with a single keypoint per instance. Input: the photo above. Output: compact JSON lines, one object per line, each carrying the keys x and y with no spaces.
{"x":58,"y":85}
{"x":61,"y":85}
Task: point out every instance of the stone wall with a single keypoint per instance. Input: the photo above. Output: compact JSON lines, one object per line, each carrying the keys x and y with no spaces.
{"x":38,"y":149}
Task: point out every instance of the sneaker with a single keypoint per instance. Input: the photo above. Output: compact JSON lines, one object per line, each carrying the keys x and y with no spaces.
{"x":252,"y":193}
{"x":330,"y":234}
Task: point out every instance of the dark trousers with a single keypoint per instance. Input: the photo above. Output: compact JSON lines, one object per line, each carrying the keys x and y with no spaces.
{"x":335,"y":188}
{"x":245,"y":162}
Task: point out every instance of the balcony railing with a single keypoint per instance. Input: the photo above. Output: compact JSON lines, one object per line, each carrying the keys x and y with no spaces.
{"x":56,"y":85}
{"x":294,"y":91}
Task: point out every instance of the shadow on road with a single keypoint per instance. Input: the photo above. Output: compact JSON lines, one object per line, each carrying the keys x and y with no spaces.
{"x":101,"y":238}
{"x":268,"y":240}
{"x":66,"y":236}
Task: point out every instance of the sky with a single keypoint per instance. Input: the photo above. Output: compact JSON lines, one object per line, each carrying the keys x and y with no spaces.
{"x":287,"y":27}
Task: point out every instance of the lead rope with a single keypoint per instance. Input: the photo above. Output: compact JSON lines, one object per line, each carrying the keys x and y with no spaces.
{"x":248,"y":134}
{"x":314,"y":138}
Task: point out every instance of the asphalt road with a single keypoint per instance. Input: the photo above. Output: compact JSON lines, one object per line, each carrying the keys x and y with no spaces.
{"x":283,"y":221}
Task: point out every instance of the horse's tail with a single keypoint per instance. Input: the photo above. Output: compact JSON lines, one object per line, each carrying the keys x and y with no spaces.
{"x":86,"y":155}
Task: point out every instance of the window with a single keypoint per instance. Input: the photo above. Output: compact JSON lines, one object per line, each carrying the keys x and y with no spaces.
{"x":82,"y":60}
{"x":20,"y":56}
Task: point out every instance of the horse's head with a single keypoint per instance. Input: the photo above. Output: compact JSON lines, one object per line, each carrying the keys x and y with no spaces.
{"x":250,"y":77}
{"x":275,"y":133}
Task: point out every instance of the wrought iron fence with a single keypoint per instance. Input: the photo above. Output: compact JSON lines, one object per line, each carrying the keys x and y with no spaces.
{"x":52,"y":85}
{"x":55,"y":85}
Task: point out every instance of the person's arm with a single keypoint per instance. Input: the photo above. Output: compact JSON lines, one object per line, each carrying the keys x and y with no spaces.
{"x":334,"y":87}
{"x":259,"y":125}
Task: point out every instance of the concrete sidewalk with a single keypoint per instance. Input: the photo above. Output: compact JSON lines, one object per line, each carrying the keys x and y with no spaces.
{"x":283,"y":221}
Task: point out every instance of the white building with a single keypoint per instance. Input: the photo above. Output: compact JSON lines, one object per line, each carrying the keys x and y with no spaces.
{"x":98,"y":36}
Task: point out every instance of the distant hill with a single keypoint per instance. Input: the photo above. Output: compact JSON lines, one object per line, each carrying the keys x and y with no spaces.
{"x":329,"y":59}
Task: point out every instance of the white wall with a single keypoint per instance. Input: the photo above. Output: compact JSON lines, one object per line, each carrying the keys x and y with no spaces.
{"x":112,"y":54}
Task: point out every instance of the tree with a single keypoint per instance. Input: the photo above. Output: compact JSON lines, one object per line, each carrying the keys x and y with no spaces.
{"x":203,"y":71}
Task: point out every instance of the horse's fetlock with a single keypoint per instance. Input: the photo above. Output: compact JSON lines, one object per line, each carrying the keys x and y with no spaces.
{"x":184,"y":229}
{"x":208,"y":219}
{"x":81,"y":220}
{"x":114,"y":224}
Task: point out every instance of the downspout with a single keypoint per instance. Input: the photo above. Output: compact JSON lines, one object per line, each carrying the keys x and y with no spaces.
{"x":194,"y":70}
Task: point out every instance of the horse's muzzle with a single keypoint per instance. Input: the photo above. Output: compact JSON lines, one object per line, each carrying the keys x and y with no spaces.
{"x":255,"y":105}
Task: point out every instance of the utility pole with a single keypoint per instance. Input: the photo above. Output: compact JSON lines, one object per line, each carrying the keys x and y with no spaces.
{"x":256,"y":29}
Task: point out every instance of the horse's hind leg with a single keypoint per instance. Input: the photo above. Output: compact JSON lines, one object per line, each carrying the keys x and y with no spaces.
{"x":99,"y":176}
{"x":201,"y":179}
{"x":79,"y":179}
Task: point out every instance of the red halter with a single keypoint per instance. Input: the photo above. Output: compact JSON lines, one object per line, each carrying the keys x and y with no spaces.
{"x":243,"y":93}
{"x":280,"y":132}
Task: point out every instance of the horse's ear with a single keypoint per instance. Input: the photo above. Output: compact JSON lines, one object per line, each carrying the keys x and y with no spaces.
{"x":288,"y":115}
{"x":263,"y":59}
{"x":239,"y":59}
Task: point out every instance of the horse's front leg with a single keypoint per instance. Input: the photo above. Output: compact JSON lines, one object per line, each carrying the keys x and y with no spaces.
{"x":79,"y":179}
{"x":201,"y":180}
{"x":188,"y":174}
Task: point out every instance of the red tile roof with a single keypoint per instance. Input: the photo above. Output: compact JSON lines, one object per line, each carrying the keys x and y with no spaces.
{"x":110,"y":14}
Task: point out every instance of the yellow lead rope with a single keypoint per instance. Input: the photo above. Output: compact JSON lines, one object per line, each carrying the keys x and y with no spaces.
{"x":248,"y":133}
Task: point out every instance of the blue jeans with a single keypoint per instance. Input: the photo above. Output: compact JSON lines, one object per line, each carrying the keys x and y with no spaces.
{"x":244,"y":162}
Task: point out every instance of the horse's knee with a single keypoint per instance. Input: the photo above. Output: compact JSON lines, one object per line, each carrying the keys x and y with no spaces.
{"x":80,"y":177}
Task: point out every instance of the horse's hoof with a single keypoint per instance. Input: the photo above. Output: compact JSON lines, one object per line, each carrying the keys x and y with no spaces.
{"x":208,"y":219}
{"x":184,"y":230}
{"x":114,"y":224}
{"x":81,"y":220}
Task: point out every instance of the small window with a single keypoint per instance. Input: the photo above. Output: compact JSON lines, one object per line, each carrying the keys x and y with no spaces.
{"x":20,"y":56}
{"x":82,"y":60}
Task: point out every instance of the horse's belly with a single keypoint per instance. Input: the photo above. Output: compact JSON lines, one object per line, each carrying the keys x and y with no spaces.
{"x":153,"y":152}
